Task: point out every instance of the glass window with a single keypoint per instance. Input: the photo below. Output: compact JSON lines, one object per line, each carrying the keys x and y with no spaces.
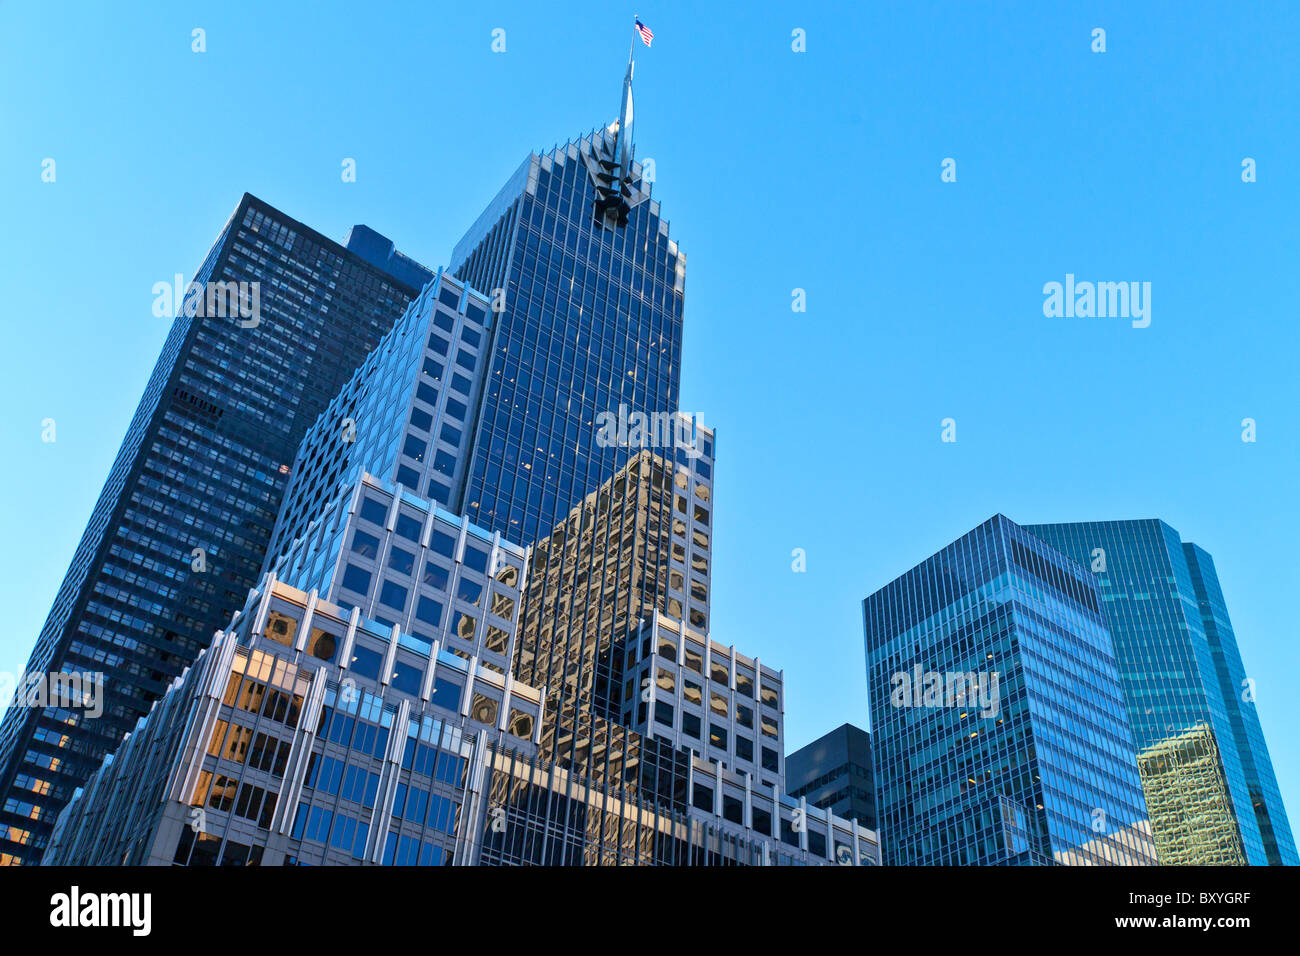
{"x":280,"y":628}
{"x":429,"y":611}
{"x":374,"y":511}
{"x":393,"y":595}
{"x":366,"y":662}
{"x":408,"y":528}
{"x":356,"y":579}
{"x":435,"y":576}
{"x":366,"y":545}
{"x":484,"y":709}
{"x":401,"y":560}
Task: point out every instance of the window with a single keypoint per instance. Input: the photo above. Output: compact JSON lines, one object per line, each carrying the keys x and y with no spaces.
{"x":495,"y":639}
{"x":702,"y":798}
{"x":435,"y":576}
{"x":393,"y":595}
{"x":446,"y":694}
{"x":664,"y":713}
{"x":484,"y":709}
{"x":476,"y":559}
{"x":414,"y":447}
{"x":443,"y":544}
{"x":355,"y":579}
{"x":463,"y":625}
{"x":421,"y":419}
{"x":366,"y":545}
{"x":401,"y":560}
{"x":444,"y":463}
{"x":407,"y":678}
{"x":322,"y":644}
{"x":408,"y":528}
{"x":471,"y":592}
{"x":376,"y":512}
{"x":428,"y":611}
{"x":744,"y":748}
{"x":717,"y":736}
{"x":690,"y":725}
{"x":366,"y":662}
{"x":521,"y":724}
{"x":280,"y":628}
{"x":745,"y":716}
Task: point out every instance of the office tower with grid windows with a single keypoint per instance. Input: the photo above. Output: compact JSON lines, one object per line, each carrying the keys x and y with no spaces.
{"x":362,"y":723}
{"x":1208,"y":777}
{"x":998,"y":730}
{"x":834,"y":772}
{"x":276,"y":321}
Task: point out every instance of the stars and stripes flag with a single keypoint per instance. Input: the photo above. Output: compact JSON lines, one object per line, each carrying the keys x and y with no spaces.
{"x":646,"y":33}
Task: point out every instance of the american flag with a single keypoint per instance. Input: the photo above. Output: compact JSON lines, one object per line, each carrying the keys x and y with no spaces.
{"x":646,"y":33}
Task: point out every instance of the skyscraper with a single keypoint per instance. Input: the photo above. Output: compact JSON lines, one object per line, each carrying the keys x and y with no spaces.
{"x":998,"y":732}
{"x":1206,"y":769}
{"x":590,"y":291}
{"x":534,"y":419}
{"x":276,"y":321}
{"x":834,"y":772}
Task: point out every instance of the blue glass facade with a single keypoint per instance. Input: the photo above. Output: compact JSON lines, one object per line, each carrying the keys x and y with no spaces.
{"x":590,"y":319}
{"x":1038,"y":766}
{"x":1182,"y":677}
{"x":203,"y":466}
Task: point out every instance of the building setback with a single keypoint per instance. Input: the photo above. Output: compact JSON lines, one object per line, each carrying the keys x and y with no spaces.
{"x":179,"y":532}
{"x":310,"y":733}
{"x":998,"y":731}
{"x":1206,"y":770}
{"x":473,"y":432}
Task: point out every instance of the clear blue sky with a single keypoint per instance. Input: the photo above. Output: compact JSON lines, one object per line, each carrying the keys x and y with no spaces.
{"x":778,"y":170}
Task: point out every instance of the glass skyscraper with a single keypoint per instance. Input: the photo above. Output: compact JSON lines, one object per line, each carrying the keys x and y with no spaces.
{"x":998,"y":731}
{"x":179,"y":532}
{"x":834,"y":771}
{"x":590,"y":318}
{"x":1206,"y":770}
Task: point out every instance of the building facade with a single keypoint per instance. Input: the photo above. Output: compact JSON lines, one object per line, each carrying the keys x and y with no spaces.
{"x":1186,"y":693}
{"x":998,"y":730}
{"x":834,"y":773}
{"x":277,"y":320}
{"x":503,"y":489}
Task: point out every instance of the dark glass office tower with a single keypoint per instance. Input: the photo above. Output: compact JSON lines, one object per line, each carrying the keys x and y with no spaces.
{"x":1208,"y":777}
{"x":998,"y":730}
{"x":590,"y":290}
{"x":834,"y":773}
{"x":178,"y":534}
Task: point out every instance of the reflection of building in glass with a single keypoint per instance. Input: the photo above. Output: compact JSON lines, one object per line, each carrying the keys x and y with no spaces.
{"x":1045,"y":775}
{"x":282,"y":744}
{"x":1189,"y":802}
{"x":1182,"y":675}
